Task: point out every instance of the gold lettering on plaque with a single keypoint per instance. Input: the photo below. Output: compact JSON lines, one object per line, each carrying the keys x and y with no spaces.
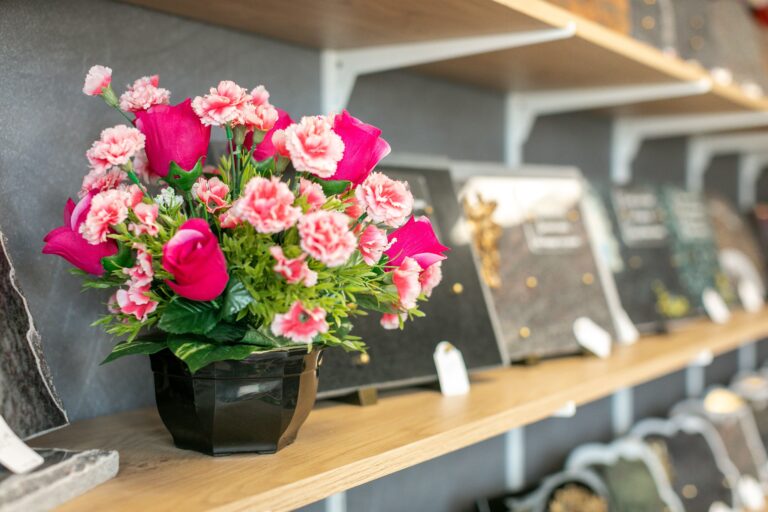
{"x":575,"y":498}
{"x":485,"y":235}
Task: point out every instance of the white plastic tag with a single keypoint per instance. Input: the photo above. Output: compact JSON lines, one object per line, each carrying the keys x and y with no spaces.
{"x":750,"y":296}
{"x":715,"y":306}
{"x":703,"y":359}
{"x":566,"y":411}
{"x":751,"y":493}
{"x":592,"y":337}
{"x":16,"y":456}
{"x":719,"y":506}
{"x":627,"y":332}
{"x":451,"y":370}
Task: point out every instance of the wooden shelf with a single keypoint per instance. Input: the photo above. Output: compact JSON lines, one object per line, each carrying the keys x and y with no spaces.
{"x":595,"y":57}
{"x":343,"y":446}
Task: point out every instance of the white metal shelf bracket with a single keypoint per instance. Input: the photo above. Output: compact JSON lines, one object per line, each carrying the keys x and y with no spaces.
{"x":340,"y":68}
{"x":630,"y":132}
{"x":703,"y":148}
{"x":751,"y":166}
{"x":523,"y":108}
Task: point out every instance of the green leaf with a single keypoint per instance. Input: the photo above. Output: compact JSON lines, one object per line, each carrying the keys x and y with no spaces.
{"x":182,"y":316}
{"x":184,"y":179}
{"x":334,"y":187}
{"x":236,"y":298}
{"x":371,"y":303}
{"x":128,"y":348}
{"x":123,"y":259}
{"x":198,"y":354}
{"x":262,"y":339}
{"x":224,"y":332}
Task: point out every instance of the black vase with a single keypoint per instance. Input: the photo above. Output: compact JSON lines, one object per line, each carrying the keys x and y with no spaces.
{"x":251,"y":406}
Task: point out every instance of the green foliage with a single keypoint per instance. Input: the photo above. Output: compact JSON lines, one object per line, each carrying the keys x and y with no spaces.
{"x":198,"y":353}
{"x":236,"y":298}
{"x":128,"y":348}
{"x":123,"y":259}
{"x":183,"y":179}
{"x":334,"y":187}
{"x":182,"y":316}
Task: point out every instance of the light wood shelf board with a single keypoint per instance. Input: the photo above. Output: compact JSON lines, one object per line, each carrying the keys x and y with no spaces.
{"x":342,"y":446}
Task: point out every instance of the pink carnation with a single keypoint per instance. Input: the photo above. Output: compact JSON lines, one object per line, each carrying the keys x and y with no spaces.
{"x":98,"y":181}
{"x":372,"y":244}
{"x":224,"y":105}
{"x":279,"y":143}
{"x":98,"y":78}
{"x":115,"y":147}
{"x":385,"y":200}
{"x":228,"y":220}
{"x":147,"y":214}
{"x":391,"y":321}
{"x":406,"y":280}
{"x":353,"y":208}
{"x":325,"y":235}
{"x":313,"y":146}
{"x":267,"y":204}
{"x":293,"y":270}
{"x":313,"y":193}
{"x":142,"y":169}
{"x":300,"y":324}
{"x":143,"y":94}
{"x":212,"y":193}
{"x":141,"y":273}
{"x":136,"y":300}
{"x":259,"y":117}
{"x":260,"y":95}
{"x":107,"y":209}
{"x":431,"y":277}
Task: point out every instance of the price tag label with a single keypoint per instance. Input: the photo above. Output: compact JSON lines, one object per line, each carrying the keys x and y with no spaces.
{"x":451,"y":370}
{"x":592,"y":337}
{"x":750,"y":296}
{"x":16,"y":456}
{"x":715,"y":306}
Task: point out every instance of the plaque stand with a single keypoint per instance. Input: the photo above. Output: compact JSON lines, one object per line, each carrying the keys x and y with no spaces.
{"x":363,"y":397}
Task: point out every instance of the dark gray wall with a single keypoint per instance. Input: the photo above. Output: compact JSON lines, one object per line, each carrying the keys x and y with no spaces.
{"x":46,"y":125}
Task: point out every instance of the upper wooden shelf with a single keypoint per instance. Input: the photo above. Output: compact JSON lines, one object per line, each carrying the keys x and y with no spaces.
{"x":342,"y":446}
{"x":595,"y":57}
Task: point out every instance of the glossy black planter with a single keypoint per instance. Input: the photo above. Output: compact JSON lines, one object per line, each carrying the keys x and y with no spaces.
{"x":251,"y":406}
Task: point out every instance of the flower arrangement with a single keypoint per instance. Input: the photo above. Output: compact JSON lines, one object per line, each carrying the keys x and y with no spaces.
{"x":280,"y":245}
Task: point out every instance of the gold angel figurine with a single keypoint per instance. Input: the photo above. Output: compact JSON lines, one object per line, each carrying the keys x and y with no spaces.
{"x":485,"y":235}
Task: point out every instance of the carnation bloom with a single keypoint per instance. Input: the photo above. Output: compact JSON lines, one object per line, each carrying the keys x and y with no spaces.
{"x":363,"y":148}
{"x":98,"y":78}
{"x":415,"y":239}
{"x":372,"y":243}
{"x":266,"y":148}
{"x":406,"y":280}
{"x":391,"y":321}
{"x":325,"y":236}
{"x":142,"y":272}
{"x":313,"y":193}
{"x":147,"y":214}
{"x":135,"y":301}
{"x":67,"y":242}
{"x":97,"y":181}
{"x":267,"y":204}
{"x":293,"y":270}
{"x":108,"y":208}
{"x":115,"y":147}
{"x":385,"y":200}
{"x":430,"y":277}
{"x":312,"y":145}
{"x":259,"y":117}
{"x":224,"y":105}
{"x":212,"y":193}
{"x":143,"y":94}
{"x":300,"y":324}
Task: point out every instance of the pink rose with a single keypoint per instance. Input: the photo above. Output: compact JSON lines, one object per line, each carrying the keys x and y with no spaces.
{"x":416,"y":239}
{"x":313,"y":193}
{"x":300,"y":324}
{"x":212,"y":193}
{"x":115,"y":147}
{"x":406,"y":280}
{"x":173,"y":134}
{"x":225,"y":104}
{"x":391,"y":321}
{"x":195,"y":260}
{"x":266,"y":148}
{"x":147,"y":215}
{"x":67,"y":242}
{"x":313,"y":146}
{"x":431,"y":277}
{"x":294,"y":270}
{"x":143,"y":94}
{"x":98,"y":78}
{"x":373,"y":241}
{"x":385,"y":200}
{"x":325,"y":236}
{"x":363,"y":148}
{"x":267,"y":204}
{"x":108,"y":208}
{"x":98,"y":181}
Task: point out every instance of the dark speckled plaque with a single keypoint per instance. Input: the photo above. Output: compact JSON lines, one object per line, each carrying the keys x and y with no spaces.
{"x":547,"y":274}
{"x":648,"y":284}
{"x":28,"y":400}
{"x":456,"y":312}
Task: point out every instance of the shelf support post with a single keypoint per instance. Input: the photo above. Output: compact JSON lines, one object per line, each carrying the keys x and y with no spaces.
{"x":340,"y":68}
{"x":630,"y":132}
{"x":523,"y":108}
{"x":514,"y":459}
{"x":751,"y":167}
{"x":703,"y":148}
{"x":622,"y":408}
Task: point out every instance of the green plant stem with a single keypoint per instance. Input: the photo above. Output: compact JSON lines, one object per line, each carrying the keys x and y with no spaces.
{"x":124,"y":115}
{"x":135,"y":179}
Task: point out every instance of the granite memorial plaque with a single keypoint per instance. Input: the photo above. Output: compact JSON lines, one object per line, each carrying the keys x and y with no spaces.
{"x":537,"y":259}
{"x":456,"y":312}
